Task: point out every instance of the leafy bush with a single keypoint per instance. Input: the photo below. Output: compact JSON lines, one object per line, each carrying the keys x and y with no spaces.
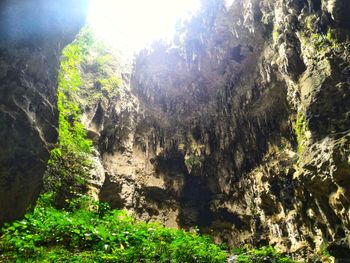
{"x":66,"y":175}
{"x":90,"y":232}
{"x":261,"y":255}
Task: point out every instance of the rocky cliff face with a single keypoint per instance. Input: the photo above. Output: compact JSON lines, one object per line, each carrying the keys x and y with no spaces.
{"x":32,"y":35}
{"x":239,"y":126}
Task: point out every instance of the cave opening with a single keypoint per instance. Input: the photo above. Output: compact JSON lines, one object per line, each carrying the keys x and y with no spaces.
{"x":132,"y":25}
{"x":237,"y":127}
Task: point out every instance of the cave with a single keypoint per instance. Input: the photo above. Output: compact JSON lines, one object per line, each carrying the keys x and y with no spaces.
{"x":174,"y":131}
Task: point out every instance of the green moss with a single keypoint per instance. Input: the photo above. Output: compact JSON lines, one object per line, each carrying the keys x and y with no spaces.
{"x":319,"y":42}
{"x":102,"y":60}
{"x":322,"y":43}
{"x":253,"y":207}
{"x":310,"y":22}
{"x":300,"y":131}
{"x":193,"y":161}
{"x":323,"y":250}
{"x":109,"y":85}
{"x":275,"y":33}
{"x":331,"y":38}
{"x":99,"y":77}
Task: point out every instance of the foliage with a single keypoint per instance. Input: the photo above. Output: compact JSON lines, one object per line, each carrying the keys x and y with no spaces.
{"x":89,"y":231}
{"x":193,"y":161}
{"x":310,"y":22}
{"x":71,"y":132}
{"x":66,"y":175}
{"x":317,"y":41}
{"x":69,"y":163}
{"x":98,"y":70}
{"x":275,"y":33}
{"x":331,"y":38}
{"x":102,"y":61}
{"x":324,"y":254}
{"x":109,"y":85}
{"x":261,"y":255}
{"x":300,"y":131}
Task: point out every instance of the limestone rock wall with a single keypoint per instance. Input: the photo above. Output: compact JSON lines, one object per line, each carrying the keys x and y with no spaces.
{"x":32,"y":35}
{"x":239,"y":126}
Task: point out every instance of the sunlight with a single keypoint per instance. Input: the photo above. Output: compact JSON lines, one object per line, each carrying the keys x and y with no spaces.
{"x":132,"y":24}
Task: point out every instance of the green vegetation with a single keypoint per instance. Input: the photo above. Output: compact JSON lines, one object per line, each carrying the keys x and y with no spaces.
{"x":85,"y":76}
{"x":316,"y":40}
{"x":96,"y":68}
{"x":331,"y":38}
{"x":193,"y":161}
{"x":88,"y":231}
{"x":66,"y":225}
{"x":310,"y":22}
{"x":275,"y":33}
{"x":321,"y":43}
{"x":300,"y":131}
{"x":69,"y":164}
{"x":99,"y":75}
{"x":324,"y":251}
{"x":109,"y":85}
{"x":323,"y":255}
{"x":72,"y":134}
{"x":107,"y":82}
{"x":262,"y":255}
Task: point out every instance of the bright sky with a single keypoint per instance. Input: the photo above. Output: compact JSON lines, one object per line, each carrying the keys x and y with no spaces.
{"x":131,"y":24}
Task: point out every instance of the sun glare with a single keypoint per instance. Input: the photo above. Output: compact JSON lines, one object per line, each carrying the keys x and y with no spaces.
{"x":132,"y":24}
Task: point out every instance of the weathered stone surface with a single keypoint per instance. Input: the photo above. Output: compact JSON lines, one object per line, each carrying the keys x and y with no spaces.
{"x":339,"y":10}
{"x":32,"y":35}
{"x":240,"y":126}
